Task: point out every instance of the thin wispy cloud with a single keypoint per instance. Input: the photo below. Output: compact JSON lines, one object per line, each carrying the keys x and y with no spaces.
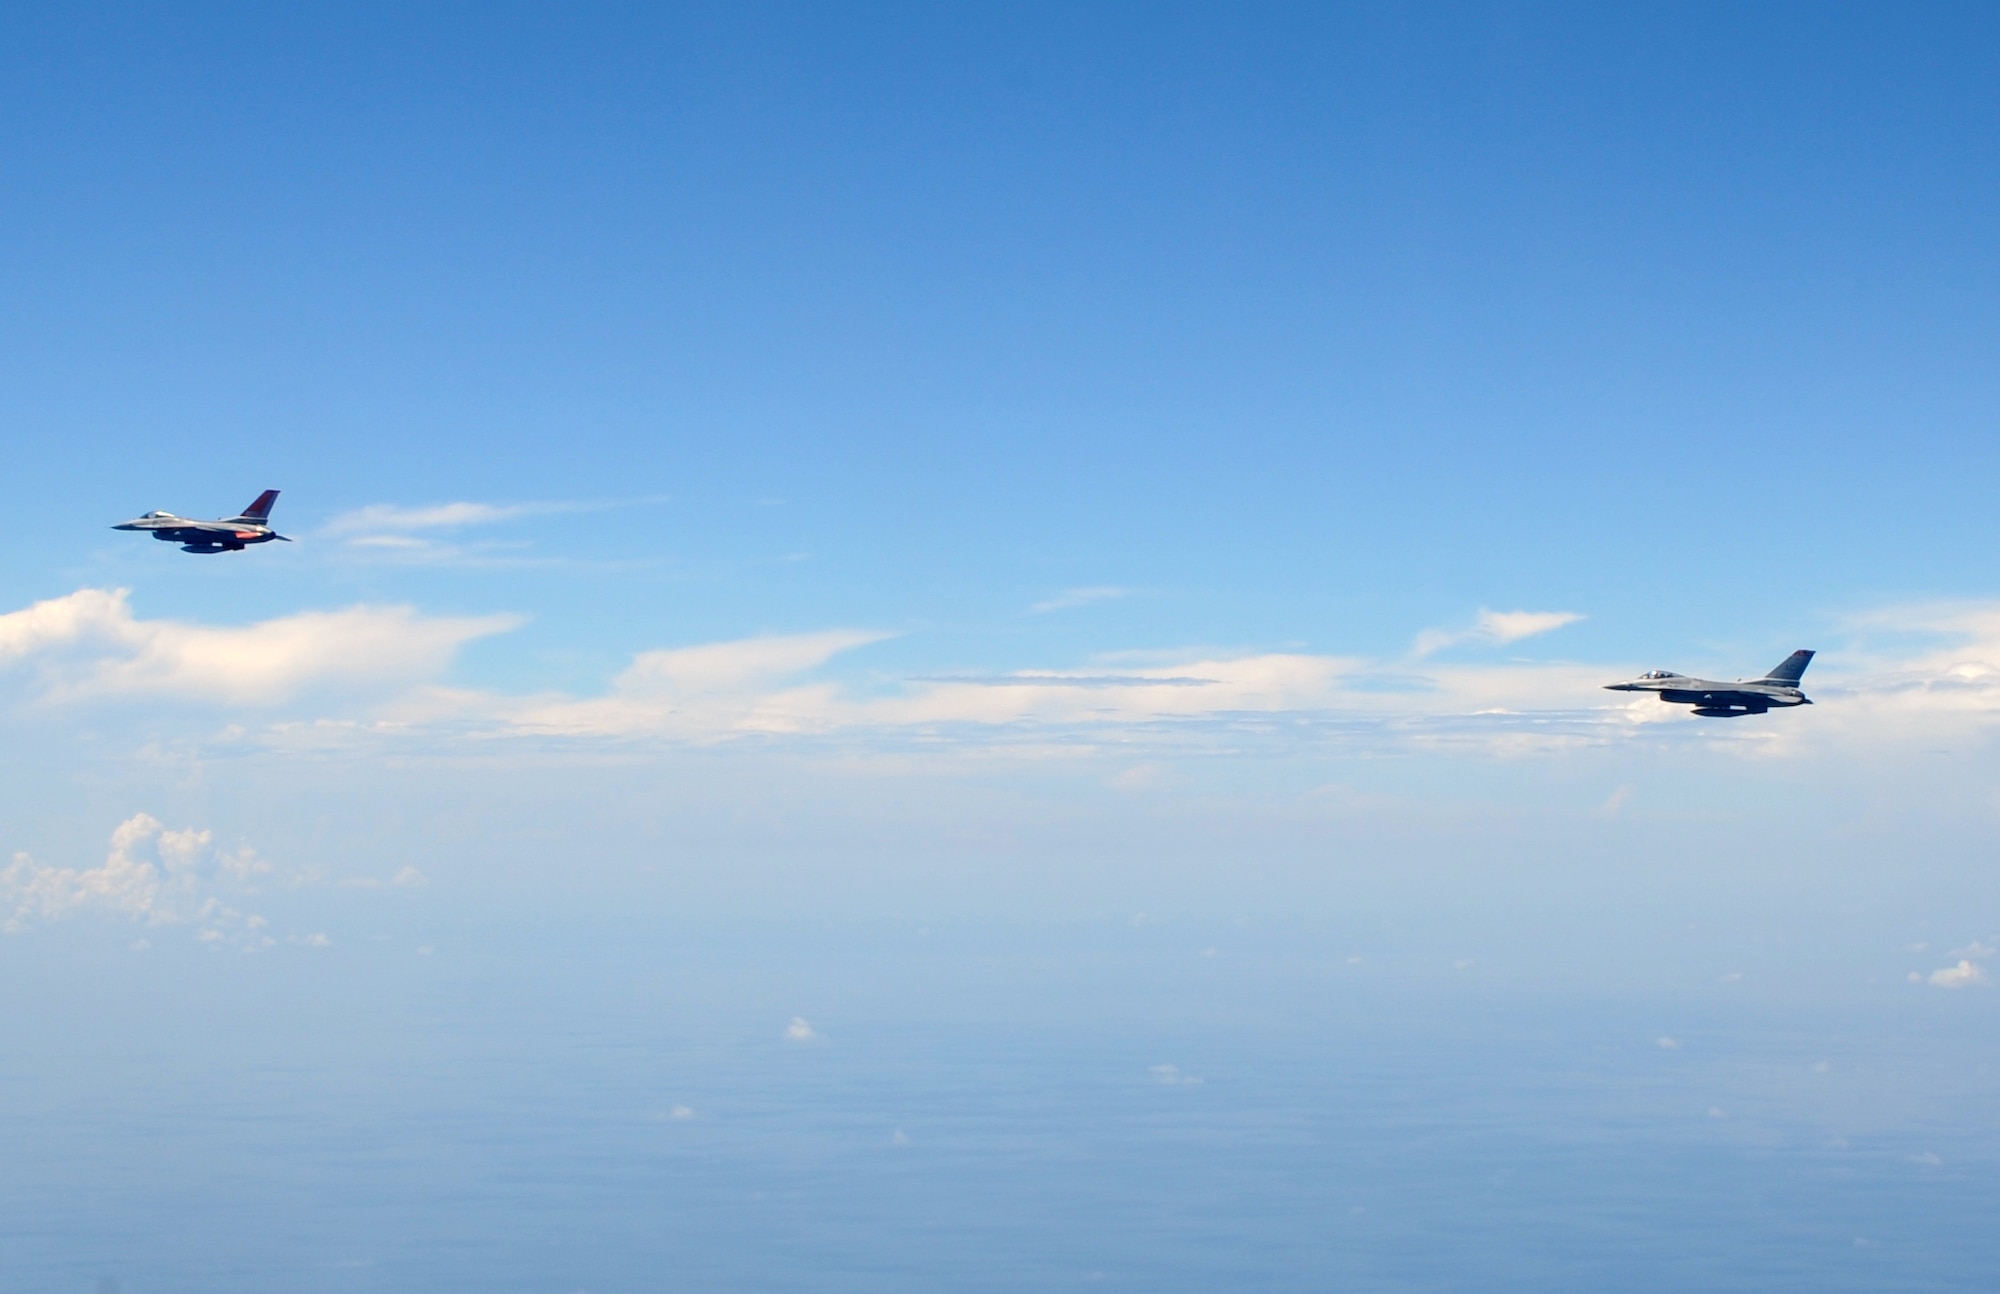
{"x":378,"y":519}
{"x":391,"y":518}
{"x":1495,"y":628}
{"x":431,"y":534}
{"x":1080,"y":598}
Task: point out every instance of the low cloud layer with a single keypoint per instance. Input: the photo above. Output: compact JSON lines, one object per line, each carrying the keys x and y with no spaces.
{"x":383,"y":669}
{"x":90,"y":645}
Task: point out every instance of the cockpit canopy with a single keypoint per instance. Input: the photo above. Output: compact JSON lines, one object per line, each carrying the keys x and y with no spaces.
{"x":1659,"y":673}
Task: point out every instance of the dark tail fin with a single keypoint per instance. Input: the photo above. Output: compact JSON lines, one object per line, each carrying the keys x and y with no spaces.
{"x":260,"y":511}
{"x":1789,"y":671}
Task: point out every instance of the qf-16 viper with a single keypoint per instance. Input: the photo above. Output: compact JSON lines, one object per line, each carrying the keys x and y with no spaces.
{"x":1713,"y":700}
{"x":229,"y":535}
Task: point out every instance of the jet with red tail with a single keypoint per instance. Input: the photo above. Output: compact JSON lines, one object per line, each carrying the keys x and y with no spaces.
{"x":229,"y":535}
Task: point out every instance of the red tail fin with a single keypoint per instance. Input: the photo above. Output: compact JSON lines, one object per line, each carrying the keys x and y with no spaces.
{"x":259,"y":511}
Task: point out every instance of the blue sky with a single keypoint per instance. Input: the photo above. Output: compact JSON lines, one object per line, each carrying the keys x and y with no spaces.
{"x":884,"y":435}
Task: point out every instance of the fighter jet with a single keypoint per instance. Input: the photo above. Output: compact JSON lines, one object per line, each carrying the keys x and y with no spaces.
{"x":229,"y":535}
{"x":1712,"y":700}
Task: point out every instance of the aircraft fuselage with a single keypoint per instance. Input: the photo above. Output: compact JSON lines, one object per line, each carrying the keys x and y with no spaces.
{"x":1713,"y":700}
{"x":229,"y":535}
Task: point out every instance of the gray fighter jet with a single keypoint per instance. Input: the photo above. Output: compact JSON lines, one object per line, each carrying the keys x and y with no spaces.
{"x":1712,"y":700}
{"x":229,"y":535}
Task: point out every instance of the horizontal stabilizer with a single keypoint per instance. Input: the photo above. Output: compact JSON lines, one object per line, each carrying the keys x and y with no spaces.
{"x":1788,"y":672}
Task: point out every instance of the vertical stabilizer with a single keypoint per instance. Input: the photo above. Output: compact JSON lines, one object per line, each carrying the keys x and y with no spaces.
{"x":260,"y":511}
{"x":1789,"y":671}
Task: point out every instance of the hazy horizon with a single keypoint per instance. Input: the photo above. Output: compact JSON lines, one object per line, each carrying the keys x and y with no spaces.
{"x":964,"y":648}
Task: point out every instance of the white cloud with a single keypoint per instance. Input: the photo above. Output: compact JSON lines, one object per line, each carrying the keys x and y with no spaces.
{"x":799,"y":1031}
{"x":58,"y":622}
{"x":1512,"y":626}
{"x":379,"y":519}
{"x":417,"y":533}
{"x":149,"y":874}
{"x":89,"y":644}
{"x":1967,"y":974}
{"x":682,"y":1112}
{"x":701,"y":693}
{"x":1974,"y":949}
{"x":1495,"y":627}
{"x":1171,"y":1076}
{"x":1080,"y":598}
{"x":1139,"y":777}
{"x":1668,"y":1044}
{"x":761,"y":686}
{"x":405,"y":877}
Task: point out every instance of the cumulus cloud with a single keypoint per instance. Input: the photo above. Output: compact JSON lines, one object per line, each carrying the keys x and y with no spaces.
{"x":89,"y":644}
{"x":1967,"y":974}
{"x":1495,"y":628}
{"x":799,"y":1031}
{"x":150,"y":874}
